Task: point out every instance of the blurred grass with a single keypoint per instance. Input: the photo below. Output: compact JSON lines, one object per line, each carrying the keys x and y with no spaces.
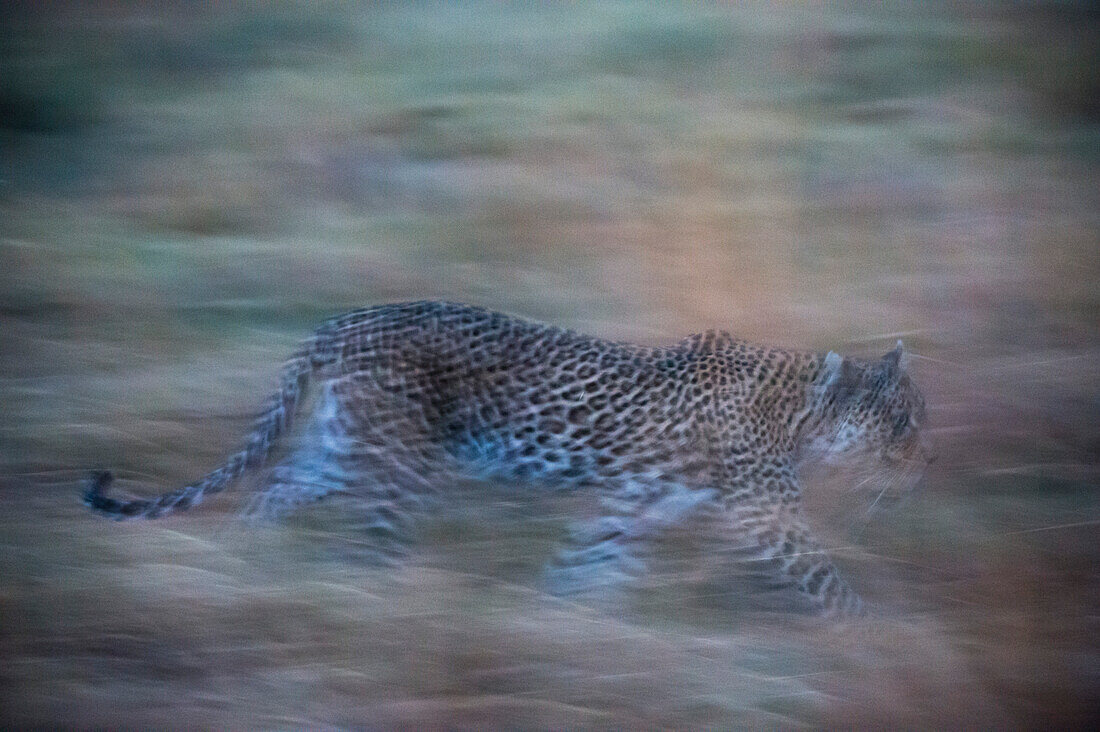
{"x":185,"y":192}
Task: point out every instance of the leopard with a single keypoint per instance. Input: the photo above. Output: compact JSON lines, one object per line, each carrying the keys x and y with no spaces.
{"x":413,"y":396}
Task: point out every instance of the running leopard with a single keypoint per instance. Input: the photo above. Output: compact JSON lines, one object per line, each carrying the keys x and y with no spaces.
{"x":412,"y":396}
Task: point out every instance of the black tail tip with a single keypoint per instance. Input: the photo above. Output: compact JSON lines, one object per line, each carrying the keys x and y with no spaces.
{"x":97,"y":484}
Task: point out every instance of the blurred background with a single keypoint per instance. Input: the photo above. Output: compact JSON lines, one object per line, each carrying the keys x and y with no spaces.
{"x":188,"y":188}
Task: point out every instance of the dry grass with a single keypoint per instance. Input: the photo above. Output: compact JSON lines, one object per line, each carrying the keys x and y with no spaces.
{"x":185,"y":193}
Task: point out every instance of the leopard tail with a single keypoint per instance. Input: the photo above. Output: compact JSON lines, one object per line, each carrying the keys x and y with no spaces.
{"x":273,"y":422}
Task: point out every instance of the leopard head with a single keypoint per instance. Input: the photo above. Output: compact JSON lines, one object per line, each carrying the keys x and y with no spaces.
{"x":867,"y":408}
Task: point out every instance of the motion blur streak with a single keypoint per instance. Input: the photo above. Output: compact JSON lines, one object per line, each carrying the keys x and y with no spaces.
{"x":185,"y":189}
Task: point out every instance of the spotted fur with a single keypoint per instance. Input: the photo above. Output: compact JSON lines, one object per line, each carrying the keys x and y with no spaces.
{"x":415,"y":395}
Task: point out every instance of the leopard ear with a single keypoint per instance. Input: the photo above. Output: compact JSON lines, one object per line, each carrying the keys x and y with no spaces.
{"x":895,"y":361}
{"x":834,"y":364}
{"x":840,"y":376}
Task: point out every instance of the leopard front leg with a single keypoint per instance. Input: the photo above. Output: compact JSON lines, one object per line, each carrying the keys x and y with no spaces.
{"x":768,"y":530}
{"x":605,"y":552}
{"x":773,"y":539}
{"x":797,"y":558}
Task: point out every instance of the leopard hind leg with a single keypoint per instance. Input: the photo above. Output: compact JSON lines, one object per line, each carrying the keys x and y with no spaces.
{"x":320,"y":464}
{"x":380,"y":482}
